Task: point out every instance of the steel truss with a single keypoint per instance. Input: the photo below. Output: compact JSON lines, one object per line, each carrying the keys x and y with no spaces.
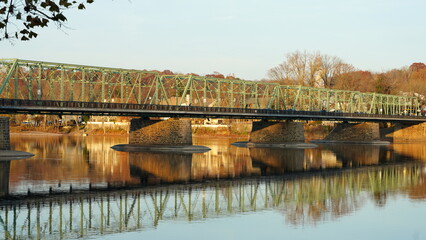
{"x":35,"y":80}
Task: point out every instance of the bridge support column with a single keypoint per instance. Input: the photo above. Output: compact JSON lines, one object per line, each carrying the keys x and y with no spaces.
{"x":4,"y":178}
{"x":408,"y":133}
{"x":4,"y":133}
{"x":354,"y":132}
{"x":277,"y":132}
{"x":160,"y":132}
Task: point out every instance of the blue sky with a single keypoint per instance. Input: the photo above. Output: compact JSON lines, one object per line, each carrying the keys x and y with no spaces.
{"x":245,"y":38}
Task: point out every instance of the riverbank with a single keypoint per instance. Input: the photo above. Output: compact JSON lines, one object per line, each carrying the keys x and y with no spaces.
{"x":313,"y":131}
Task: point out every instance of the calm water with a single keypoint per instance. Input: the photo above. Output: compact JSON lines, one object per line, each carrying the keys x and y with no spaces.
{"x":330,"y":192}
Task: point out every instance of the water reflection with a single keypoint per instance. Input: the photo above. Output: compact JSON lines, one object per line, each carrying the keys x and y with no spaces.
{"x":4,"y":178}
{"x":62,"y":163}
{"x":301,"y":200}
{"x":411,"y":151}
{"x":153,"y":168}
{"x":356,"y":155}
{"x":272,"y":161}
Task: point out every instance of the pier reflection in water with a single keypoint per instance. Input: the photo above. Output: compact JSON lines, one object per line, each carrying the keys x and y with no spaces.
{"x":4,"y":178}
{"x":164,"y":187}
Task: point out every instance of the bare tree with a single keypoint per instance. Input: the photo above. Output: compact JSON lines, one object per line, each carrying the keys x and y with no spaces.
{"x":331,"y":67}
{"x":309,"y":69}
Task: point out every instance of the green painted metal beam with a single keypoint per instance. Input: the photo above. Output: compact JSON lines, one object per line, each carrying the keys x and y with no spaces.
{"x":69,"y":82}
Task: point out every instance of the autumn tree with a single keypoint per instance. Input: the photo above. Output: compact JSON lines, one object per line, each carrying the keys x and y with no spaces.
{"x":215,"y":75}
{"x":383,"y":84}
{"x":417,"y":66}
{"x":417,"y":80}
{"x":27,"y":15}
{"x":355,"y":81}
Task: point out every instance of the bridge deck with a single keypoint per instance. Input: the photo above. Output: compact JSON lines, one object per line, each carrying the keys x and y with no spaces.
{"x":11,"y":106}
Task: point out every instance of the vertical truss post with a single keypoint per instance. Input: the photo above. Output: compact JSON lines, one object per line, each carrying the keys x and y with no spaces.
{"x":103,"y":99}
{"x":16,"y":83}
{"x":187,"y":86}
{"x":328,"y":100}
{"x":231,"y":103}
{"x":256,"y":95}
{"x":372,"y":103}
{"x":218,"y":102}
{"x":83,"y":84}
{"x":122,"y":97}
{"x":204,"y":103}
{"x":62,"y":84}
{"x":39,"y":90}
{"x":297,"y":97}
{"x":139,"y":82}
{"x":273,"y":97}
{"x":244,"y":95}
{"x":176,"y":90}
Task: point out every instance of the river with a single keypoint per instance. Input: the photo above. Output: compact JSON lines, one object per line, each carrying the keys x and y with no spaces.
{"x":79,"y":188}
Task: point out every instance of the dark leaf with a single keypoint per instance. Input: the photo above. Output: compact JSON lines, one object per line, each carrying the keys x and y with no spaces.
{"x":32,"y":34}
{"x":53,"y":7}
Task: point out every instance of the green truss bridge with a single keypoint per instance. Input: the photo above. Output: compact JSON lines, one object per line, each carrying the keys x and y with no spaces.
{"x":56,"y":88}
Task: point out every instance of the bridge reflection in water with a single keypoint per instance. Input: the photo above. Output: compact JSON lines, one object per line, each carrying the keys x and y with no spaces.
{"x":240,"y":180}
{"x":302,"y":199}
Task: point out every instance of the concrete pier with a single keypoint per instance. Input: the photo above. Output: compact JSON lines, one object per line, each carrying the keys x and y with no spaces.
{"x":277,"y":132}
{"x":160,"y":132}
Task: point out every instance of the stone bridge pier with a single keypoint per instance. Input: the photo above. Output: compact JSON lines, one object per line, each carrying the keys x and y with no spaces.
{"x":4,"y":164}
{"x":144,"y":131}
{"x":405,"y":132}
{"x":4,"y":134}
{"x":354,"y":132}
{"x":277,"y":132}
